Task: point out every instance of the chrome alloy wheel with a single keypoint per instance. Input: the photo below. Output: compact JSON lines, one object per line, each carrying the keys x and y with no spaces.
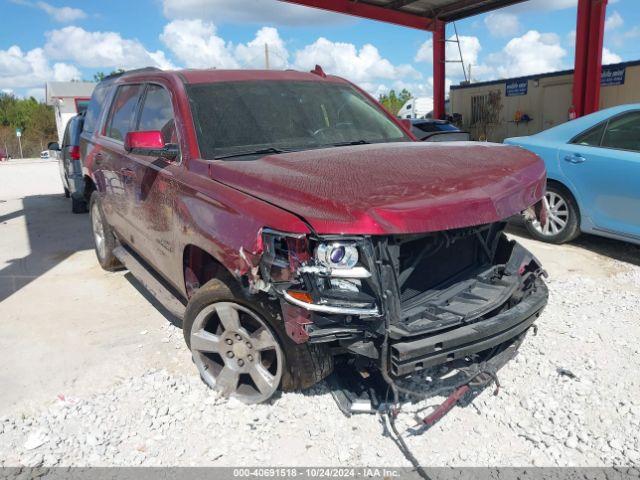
{"x":98,"y":230}
{"x":557,"y":215}
{"x":236,"y":352}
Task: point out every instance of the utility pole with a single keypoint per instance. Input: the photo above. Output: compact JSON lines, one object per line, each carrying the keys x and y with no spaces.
{"x":470,"y":81}
{"x":266,"y":56}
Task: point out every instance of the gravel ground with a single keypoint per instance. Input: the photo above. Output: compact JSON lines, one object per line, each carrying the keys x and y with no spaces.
{"x":570,"y":398}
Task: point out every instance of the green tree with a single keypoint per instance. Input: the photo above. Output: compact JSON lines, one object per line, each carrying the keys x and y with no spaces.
{"x":393,"y":102}
{"x":99,"y":76}
{"x":35,"y":119}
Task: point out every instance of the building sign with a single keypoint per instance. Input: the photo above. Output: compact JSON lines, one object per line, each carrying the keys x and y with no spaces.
{"x":516,"y":88}
{"x":612,"y":75}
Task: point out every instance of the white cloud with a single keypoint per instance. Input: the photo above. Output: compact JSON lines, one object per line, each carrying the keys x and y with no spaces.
{"x":613,"y":21}
{"x":502,"y":24}
{"x":248,"y":11}
{"x":37,"y":93}
{"x":62,"y":14}
{"x":609,"y":57}
{"x":195,"y":43}
{"x":101,"y":49}
{"x":470,"y":47}
{"x":31,"y":69}
{"x":253,"y":53}
{"x":532,"y":53}
{"x":346,"y":60}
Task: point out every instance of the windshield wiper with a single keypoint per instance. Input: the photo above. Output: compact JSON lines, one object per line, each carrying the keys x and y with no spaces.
{"x":263,"y":151}
{"x":354,"y":142}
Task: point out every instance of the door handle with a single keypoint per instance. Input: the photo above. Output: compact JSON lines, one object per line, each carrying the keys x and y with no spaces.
{"x":575,"y":158}
{"x":127,"y":172}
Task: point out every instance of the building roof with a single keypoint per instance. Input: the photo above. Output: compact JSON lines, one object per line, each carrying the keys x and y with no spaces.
{"x":68,"y":90}
{"x":537,"y":76}
{"x":419,"y":14}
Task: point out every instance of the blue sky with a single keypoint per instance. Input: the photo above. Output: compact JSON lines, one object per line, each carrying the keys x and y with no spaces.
{"x":69,"y":39}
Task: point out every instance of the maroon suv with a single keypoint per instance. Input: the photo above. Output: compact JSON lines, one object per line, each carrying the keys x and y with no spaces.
{"x":296,"y":222}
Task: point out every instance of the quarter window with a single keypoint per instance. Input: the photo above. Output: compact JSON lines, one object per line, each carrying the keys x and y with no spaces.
{"x":123,"y":111}
{"x":591,"y":137}
{"x":623,"y":132}
{"x":157,"y":114}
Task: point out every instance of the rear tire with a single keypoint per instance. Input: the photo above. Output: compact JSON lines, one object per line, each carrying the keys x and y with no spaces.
{"x":302,"y":365}
{"x":78,"y":205}
{"x":103,"y":236}
{"x":563,"y":224}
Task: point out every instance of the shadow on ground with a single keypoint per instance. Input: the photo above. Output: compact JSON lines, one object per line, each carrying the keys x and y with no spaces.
{"x":170,"y":317}
{"x":616,"y":249}
{"x":53,"y":234}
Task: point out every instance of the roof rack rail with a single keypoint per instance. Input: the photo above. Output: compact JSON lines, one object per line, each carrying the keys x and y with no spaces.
{"x":137,"y":70}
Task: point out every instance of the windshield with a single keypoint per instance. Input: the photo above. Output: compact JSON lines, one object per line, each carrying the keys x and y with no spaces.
{"x":234,"y":118}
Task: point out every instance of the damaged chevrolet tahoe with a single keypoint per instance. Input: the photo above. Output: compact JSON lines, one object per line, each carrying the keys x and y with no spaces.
{"x":298,"y":223}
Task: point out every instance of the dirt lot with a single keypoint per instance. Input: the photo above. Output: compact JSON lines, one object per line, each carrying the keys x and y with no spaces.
{"x":92,"y":373}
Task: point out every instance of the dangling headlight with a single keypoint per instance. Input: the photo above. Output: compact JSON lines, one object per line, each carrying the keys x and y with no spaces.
{"x":337,"y":255}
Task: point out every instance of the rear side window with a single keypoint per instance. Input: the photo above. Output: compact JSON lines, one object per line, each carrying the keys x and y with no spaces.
{"x":122,"y":111}
{"x":623,"y":133}
{"x":76,"y":125}
{"x":66,"y":139}
{"x":157,"y":113}
{"x":95,"y":107}
{"x":591,"y":137}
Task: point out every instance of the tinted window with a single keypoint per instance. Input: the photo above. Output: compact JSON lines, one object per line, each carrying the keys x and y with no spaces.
{"x":95,"y":107}
{"x":234,"y":117}
{"x":429,"y":127}
{"x":157,"y":113}
{"x":66,"y":138}
{"x":75,"y":129}
{"x":591,"y":137}
{"x":623,"y":132}
{"x":122,"y":111}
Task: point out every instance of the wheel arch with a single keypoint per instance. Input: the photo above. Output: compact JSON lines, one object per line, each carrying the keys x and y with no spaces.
{"x":199,"y":266}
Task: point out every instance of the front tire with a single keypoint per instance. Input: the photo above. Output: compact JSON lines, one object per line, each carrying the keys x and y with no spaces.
{"x":103,"y":236}
{"x":563,"y":222}
{"x":241,"y":348}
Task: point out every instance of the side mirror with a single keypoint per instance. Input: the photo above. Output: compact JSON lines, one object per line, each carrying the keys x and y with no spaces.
{"x":53,"y":146}
{"x":406,"y":122}
{"x":149,"y":143}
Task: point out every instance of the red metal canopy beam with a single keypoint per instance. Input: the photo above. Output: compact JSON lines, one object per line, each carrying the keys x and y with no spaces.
{"x":439,"y":49}
{"x":373,"y":12}
{"x":588,"y":56}
{"x":594,"y":60}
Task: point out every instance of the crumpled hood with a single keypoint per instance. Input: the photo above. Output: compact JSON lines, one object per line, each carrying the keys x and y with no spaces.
{"x":393,"y":188}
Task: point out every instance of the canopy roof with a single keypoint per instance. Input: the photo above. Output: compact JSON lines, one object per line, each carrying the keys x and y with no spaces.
{"x":421,"y":14}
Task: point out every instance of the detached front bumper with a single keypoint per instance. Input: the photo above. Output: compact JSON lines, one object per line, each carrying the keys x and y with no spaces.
{"x":416,"y":354}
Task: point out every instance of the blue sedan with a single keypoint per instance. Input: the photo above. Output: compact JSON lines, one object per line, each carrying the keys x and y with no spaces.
{"x":593,"y":170}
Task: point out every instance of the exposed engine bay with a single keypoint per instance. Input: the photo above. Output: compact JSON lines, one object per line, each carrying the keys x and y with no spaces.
{"x":427,"y":299}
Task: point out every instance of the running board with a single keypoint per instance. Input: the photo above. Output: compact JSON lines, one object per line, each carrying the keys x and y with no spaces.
{"x":150,"y":282}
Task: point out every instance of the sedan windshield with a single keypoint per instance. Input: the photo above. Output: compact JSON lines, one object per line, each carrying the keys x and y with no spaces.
{"x":235,"y":119}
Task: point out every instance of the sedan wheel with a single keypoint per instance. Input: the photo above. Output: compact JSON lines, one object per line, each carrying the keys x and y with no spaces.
{"x":558,"y":215}
{"x":236,"y":352}
{"x":563,"y":217}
